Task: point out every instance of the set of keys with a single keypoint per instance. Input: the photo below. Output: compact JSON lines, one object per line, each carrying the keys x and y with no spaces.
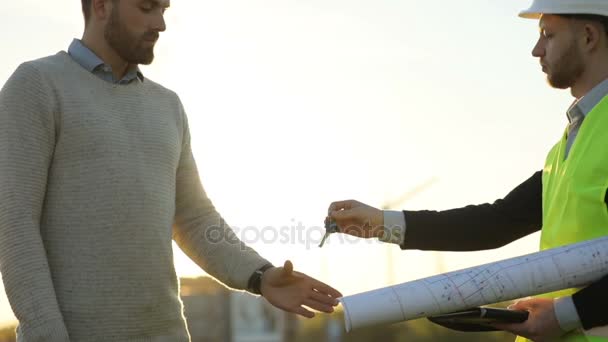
{"x":330,"y":227}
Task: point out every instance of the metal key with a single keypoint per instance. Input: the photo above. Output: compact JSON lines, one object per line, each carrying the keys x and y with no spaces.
{"x":330,"y":227}
{"x":324,"y":238}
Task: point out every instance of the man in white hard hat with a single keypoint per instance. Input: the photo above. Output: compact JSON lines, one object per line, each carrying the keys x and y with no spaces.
{"x":573,"y":52}
{"x":568,"y":199}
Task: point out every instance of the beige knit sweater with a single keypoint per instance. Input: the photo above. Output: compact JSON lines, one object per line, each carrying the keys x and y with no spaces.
{"x":96,"y":180}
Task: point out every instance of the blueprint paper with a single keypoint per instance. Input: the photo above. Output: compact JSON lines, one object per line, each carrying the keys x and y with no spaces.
{"x":547,"y":271}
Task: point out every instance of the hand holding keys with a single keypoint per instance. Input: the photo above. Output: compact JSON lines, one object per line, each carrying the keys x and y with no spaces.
{"x":330,"y":227}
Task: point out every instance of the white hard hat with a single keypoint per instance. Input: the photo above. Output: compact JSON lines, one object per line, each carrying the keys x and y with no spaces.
{"x":598,"y":7}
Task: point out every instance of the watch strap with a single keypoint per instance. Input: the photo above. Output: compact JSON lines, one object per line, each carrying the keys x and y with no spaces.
{"x":255,"y":281}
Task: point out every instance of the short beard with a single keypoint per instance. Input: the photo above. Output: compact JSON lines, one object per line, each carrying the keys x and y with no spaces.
{"x":567,"y":68}
{"x":126,"y":45}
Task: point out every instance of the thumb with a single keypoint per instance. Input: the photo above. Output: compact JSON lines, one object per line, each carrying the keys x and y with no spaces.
{"x":288,"y":268}
{"x":519,"y":305}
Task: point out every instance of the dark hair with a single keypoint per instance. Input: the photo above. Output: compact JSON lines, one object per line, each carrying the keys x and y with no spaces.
{"x":86,"y":10}
{"x":601,"y":19}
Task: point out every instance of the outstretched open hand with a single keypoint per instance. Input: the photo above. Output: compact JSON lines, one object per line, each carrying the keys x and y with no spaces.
{"x":294,"y":291}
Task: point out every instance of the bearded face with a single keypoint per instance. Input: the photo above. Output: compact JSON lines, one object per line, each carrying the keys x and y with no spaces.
{"x":560,"y":50}
{"x":133,"y":47}
{"x":566,"y":67}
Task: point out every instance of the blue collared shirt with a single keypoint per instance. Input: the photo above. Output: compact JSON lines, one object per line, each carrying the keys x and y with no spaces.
{"x":91,"y":62}
{"x":580,"y":108}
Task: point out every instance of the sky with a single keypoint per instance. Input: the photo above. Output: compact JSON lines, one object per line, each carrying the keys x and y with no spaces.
{"x":294,"y":104}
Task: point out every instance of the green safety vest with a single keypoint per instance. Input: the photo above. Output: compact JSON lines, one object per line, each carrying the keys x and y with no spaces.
{"x":574,"y":191}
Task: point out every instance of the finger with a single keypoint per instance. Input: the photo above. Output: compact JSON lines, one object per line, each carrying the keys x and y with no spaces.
{"x":358,"y":229}
{"x":303,"y":312}
{"x":522,"y":329}
{"x":288,"y":268}
{"x":313,"y":304}
{"x":343,"y":216}
{"x":326,"y":289}
{"x":323,"y":298}
{"x":507,"y":327}
{"x":341,"y":205}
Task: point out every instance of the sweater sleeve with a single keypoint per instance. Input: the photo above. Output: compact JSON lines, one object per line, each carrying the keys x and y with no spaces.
{"x":27,"y":140}
{"x":477,"y":227}
{"x":202,"y":233}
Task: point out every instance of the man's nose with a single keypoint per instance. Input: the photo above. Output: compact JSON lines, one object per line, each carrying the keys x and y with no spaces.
{"x":539,"y":49}
{"x":159,"y":23}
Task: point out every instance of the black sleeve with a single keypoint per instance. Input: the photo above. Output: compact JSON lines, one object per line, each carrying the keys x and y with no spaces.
{"x":478,"y":227}
{"x":489,"y":226}
{"x":591,"y":302}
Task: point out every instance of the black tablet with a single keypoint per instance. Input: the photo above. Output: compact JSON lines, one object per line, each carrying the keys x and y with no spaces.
{"x":479,"y":319}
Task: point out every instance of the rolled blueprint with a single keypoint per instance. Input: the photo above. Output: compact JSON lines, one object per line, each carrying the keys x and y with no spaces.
{"x":547,"y":271}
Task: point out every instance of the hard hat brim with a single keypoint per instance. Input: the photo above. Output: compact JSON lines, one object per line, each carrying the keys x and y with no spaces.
{"x":529,"y":15}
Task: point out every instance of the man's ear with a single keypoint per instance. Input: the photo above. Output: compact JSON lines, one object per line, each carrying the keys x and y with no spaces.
{"x":101,"y":9}
{"x":593,"y":36}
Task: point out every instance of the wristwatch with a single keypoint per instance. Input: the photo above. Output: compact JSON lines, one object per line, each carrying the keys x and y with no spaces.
{"x":255,"y":281}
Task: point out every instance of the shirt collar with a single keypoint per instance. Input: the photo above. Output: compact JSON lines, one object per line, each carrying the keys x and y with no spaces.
{"x":92,"y":63}
{"x":581,"y":107}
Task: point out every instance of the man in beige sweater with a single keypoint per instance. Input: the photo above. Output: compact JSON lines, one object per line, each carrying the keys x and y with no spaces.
{"x":97,"y":178}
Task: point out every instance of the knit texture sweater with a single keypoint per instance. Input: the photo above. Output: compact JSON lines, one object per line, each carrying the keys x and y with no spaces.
{"x":96,"y":179}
